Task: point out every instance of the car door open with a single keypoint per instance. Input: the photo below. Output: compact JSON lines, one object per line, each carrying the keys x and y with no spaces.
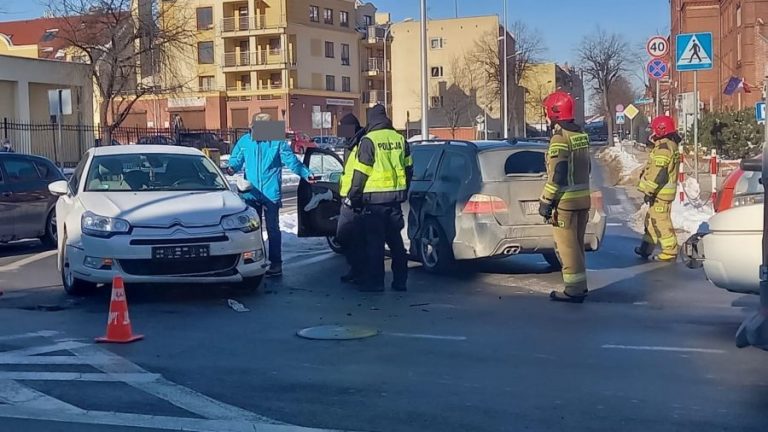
{"x":319,"y":202}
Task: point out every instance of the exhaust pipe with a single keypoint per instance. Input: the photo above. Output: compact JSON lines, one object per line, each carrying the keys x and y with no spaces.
{"x":511,"y":250}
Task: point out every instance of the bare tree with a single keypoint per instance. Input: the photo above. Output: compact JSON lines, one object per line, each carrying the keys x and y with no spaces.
{"x":487,"y":63}
{"x":537,"y":93}
{"x":621,"y":92}
{"x":529,"y":47}
{"x":134,"y":49}
{"x":457,"y":97}
{"x":604,"y":57}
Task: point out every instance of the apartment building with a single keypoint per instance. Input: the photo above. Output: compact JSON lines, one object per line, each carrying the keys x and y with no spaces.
{"x":740,"y":50}
{"x":541,"y":80}
{"x":464,"y":83}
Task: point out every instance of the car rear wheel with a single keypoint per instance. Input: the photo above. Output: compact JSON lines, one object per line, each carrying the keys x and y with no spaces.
{"x":435,"y":251}
{"x":249,"y":285}
{"x":553,"y":261}
{"x":334,"y":244}
{"x":50,"y":238}
{"x":72,"y":285}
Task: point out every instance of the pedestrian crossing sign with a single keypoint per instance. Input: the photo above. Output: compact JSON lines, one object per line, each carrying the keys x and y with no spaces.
{"x":694,"y":52}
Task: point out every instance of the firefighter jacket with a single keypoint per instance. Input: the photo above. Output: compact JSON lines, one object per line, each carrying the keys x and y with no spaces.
{"x":659,"y":178}
{"x":568,"y":169}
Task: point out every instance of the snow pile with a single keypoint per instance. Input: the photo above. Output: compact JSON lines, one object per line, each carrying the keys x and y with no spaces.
{"x":626,"y":164}
{"x":293,"y":246}
{"x":689,"y":218}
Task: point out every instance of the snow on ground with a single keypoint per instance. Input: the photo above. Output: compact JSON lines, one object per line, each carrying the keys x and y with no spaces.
{"x":617,"y":154}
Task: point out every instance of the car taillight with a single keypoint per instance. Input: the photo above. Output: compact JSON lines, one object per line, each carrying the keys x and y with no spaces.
{"x":596,"y":200}
{"x":485,"y":204}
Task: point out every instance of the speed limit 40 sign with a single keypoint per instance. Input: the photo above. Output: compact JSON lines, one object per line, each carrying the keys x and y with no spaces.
{"x":658,"y":46}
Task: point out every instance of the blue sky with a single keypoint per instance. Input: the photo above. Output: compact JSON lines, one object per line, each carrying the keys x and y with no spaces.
{"x":561,"y":23}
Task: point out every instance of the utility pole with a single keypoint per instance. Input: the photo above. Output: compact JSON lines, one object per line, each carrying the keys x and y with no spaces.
{"x":424,"y":71}
{"x":456,"y":3}
{"x":506,"y":74}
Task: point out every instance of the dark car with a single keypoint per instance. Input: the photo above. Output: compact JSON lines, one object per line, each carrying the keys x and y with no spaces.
{"x":27,"y":208}
{"x":468,"y":200}
{"x":156,"y":140}
{"x":202,"y":140}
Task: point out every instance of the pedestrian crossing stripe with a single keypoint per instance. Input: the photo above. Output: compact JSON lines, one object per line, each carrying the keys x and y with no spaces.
{"x":694,"y":51}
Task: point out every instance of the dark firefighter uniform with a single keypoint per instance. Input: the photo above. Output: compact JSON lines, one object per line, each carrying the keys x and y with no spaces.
{"x":659,"y":185}
{"x":565,"y":200}
{"x":380,"y":182}
{"x":349,"y":232}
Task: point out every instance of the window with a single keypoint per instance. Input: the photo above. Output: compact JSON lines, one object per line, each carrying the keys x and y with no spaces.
{"x":344,"y":18}
{"x":346,"y":84}
{"x":205,"y":52}
{"x":168,"y":172}
{"x":368,"y":20}
{"x":328,"y":16}
{"x":274,"y":46}
{"x":74,"y":181}
{"x":436,"y":71}
{"x":330,"y":83}
{"x":207,"y":83}
{"x":425,"y":163}
{"x":345,"y":54}
{"x":276,"y":78}
{"x":436,"y":43}
{"x":329,"y":50}
{"x":326,"y":167}
{"x":738,"y":46}
{"x":435,"y":101}
{"x":454,"y":169}
{"x":204,"y":18}
{"x":47,"y":171}
{"x":314,"y":14}
{"x":738,"y":16}
{"x":49,"y":35}
{"x":525,"y":162}
{"x":20,"y":170}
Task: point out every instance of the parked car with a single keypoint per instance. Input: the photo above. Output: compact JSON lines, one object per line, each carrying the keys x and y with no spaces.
{"x":740,"y":188}
{"x":154,"y":214}
{"x":98,"y":142}
{"x":299,"y":142}
{"x":329,"y":142}
{"x":738,"y":228}
{"x":468,"y":200}
{"x":157,"y":140}
{"x":202,"y":140}
{"x":27,"y":208}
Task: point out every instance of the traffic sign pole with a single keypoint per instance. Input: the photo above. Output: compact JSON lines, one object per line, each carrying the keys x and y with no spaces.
{"x":696,"y":124}
{"x":658,"y":101}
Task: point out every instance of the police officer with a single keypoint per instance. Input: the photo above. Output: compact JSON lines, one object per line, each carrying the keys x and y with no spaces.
{"x":349,"y":232}
{"x":565,"y":200}
{"x":658,"y":183}
{"x":380,"y":183}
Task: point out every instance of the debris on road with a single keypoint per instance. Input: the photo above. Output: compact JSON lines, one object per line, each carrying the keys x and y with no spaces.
{"x":237,"y":306}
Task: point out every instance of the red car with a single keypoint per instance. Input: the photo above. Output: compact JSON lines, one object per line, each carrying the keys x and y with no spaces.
{"x":739,"y":189}
{"x":299,"y":141}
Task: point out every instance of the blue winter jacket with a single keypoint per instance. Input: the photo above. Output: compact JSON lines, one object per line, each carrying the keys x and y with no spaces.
{"x":263,"y":162}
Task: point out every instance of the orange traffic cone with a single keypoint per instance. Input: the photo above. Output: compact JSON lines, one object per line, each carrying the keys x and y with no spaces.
{"x":119,"y":323}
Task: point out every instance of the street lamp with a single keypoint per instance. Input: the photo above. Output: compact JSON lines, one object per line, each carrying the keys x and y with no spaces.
{"x":386,"y":66}
{"x":506,"y":75}
{"x":424,"y":76}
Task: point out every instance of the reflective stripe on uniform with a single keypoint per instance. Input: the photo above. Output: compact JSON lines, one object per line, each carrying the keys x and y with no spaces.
{"x":551,"y":188}
{"x":409,"y":161}
{"x":574,"y":278}
{"x":363,"y":168}
{"x":668,"y":243}
{"x":576,"y":194}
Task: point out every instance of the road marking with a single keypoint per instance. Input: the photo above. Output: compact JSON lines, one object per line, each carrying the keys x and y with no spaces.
{"x":426,"y":336}
{"x":42,"y":333}
{"x":321,"y":257}
{"x":614,"y":224}
{"x":68,"y":345}
{"x":13,"y":393}
{"x":28,"y":260}
{"x":50,"y":360}
{"x":77,"y":376}
{"x":663,"y":348}
{"x":149,"y":421}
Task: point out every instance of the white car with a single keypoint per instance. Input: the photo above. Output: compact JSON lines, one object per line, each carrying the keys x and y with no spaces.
{"x":154,"y":214}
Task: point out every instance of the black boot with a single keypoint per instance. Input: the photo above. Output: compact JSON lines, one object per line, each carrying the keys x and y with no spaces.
{"x":642,"y":252}
{"x":350,"y":278}
{"x":559,"y":296}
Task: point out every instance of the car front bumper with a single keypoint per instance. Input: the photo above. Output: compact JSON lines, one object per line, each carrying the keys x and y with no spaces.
{"x":134,"y":263}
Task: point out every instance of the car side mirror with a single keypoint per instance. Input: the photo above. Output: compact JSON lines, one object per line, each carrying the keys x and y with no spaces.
{"x":59,"y":188}
{"x":754,"y":165}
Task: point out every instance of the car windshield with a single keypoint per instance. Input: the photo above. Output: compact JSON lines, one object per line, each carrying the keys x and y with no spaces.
{"x":153,"y":172}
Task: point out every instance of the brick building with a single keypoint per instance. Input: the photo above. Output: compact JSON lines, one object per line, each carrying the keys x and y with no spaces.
{"x":740,"y":47}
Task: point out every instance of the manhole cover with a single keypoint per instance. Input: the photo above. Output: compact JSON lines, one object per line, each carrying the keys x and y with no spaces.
{"x":337,"y":332}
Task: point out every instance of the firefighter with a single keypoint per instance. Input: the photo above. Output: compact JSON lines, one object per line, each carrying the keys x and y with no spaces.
{"x":658,"y":183}
{"x":565,"y":201}
{"x":382,"y":176}
{"x":349,"y":231}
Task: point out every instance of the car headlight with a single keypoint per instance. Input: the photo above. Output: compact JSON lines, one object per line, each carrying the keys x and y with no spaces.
{"x":745,"y":200}
{"x":102,"y":226}
{"x":247,"y":221}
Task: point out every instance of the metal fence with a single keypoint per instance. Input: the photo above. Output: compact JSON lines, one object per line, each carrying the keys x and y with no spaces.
{"x":43,"y":139}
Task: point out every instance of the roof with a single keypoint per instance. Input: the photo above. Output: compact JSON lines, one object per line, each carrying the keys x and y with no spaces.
{"x":143,"y":149}
{"x":33,"y":32}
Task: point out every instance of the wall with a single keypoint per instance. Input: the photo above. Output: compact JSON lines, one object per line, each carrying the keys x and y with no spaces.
{"x":7,"y":99}
{"x":311,"y":59}
{"x":8,"y":48}
{"x":300,"y":115}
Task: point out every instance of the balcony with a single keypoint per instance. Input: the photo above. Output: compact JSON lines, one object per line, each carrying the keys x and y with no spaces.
{"x":375,"y":66}
{"x":374,"y":35}
{"x":265,"y":59}
{"x":237,"y":26}
{"x":373,"y":97}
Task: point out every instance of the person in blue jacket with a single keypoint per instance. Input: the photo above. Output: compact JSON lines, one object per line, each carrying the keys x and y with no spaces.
{"x":263,"y":163}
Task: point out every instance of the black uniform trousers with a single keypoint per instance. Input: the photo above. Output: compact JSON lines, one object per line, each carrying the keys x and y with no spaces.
{"x":351,"y":235}
{"x":384,"y":224}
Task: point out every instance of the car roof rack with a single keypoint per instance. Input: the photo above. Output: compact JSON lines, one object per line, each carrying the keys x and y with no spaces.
{"x":456,"y":142}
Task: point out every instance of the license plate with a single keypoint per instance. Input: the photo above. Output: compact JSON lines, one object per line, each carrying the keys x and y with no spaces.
{"x":181,"y":252}
{"x":531,"y":207}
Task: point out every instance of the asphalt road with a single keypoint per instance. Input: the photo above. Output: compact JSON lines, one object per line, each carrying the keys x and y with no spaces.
{"x":479,"y":350}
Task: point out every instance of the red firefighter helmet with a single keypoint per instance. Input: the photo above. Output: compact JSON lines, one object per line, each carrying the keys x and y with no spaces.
{"x":662,"y":126}
{"x":559,"y":106}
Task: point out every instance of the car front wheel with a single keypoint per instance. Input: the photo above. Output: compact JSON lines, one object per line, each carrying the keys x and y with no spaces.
{"x":72,"y":285}
{"x":435,"y":250}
